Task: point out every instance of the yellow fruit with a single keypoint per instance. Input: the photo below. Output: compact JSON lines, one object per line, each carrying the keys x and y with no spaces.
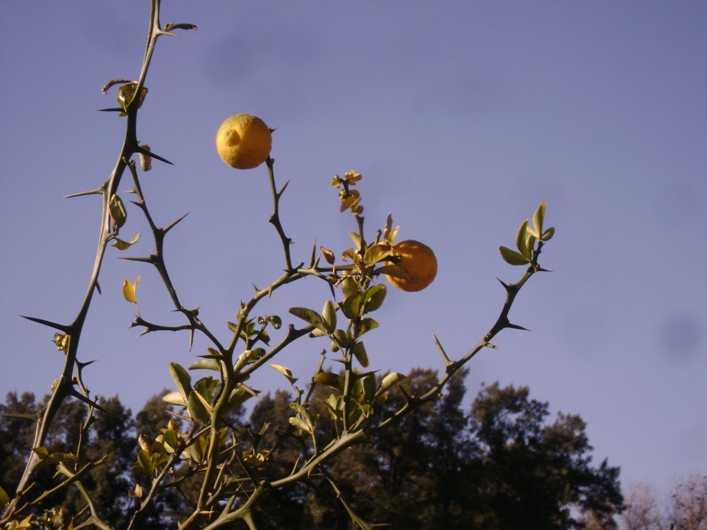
{"x":418,"y":261}
{"x":243,"y":141}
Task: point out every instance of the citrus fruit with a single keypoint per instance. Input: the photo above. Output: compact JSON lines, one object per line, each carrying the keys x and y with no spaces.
{"x":418,"y":261}
{"x":243,"y":141}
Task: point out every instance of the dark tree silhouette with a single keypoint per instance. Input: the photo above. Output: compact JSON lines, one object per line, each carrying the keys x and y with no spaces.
{"x":499,"y":466}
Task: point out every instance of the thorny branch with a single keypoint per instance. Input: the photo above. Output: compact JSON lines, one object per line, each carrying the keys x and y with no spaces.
{"x":232,"y":372}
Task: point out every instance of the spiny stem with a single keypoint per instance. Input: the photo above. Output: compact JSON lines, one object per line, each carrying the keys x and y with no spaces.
{"x":275,"y":217}
{"x":109,"y":188}
{"x":452,"y":367}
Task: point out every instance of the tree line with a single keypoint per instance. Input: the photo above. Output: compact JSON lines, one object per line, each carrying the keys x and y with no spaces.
{"x":501,"y":464}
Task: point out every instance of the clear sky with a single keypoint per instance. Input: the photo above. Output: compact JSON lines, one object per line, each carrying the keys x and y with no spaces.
{"x":461,"y":116}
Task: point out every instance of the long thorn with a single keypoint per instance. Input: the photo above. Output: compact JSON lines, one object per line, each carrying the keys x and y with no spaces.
{"x":49,"y":323}
{"x":173,"y":223}
{"x":153,"y":155}
{"x":97,"y":191}
{"x":444,"y":355}
{"x":83,"y":398}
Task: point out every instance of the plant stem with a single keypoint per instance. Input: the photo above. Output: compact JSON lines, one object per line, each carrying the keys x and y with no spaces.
{"x":109,"y":188}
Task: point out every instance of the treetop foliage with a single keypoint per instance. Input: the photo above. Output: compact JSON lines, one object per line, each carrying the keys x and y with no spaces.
{"x":499,"y":465}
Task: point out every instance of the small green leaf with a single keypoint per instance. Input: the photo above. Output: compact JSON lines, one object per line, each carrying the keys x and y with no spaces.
{"x":539,"y":218}
{"x":126,"y":94}
{"x":366,"y":325}
{"x":300,"y":424}
{"x":205,"y":364}
{"x":547,"y":234}
{"x":205,"y":387}
{"x":356,"y":239}
{"x":394,"y":270}
{"x":352,"y":304}
{"x":349,"y":286}
{"x":522,"y":240}
{"x":263,"y":337}
{"x":359,"y":352}
{"x":181,"y":379}
{"x":170,"y":440}
{"x":366,"y":410}
{"x":331,"y":379}
{"x":145,"y":160}
{"x":389,"y":232}
{"x":257,"y":353}
{"x":146,"y":462}
{"x":375,"y":253}
{"x":301,"y":410}
{"x":197,"y":409}
{"x":251,"y":391}
{"x":175,"y":398}
{"x":512,"y":257}
{"x":530,"y":240}
{"x":204,"y":401}
{"x":304,"y":413}
{"x":53,"y":458}
{"x":342,"y":338}
{"x":41,"y":452}
{"x":197,"y":449}
{"x":117,"y":212}
{"x":240,"y":395}
{"x":330,"y":405}
{"x":284,"y":371}
{"x":124,"y":245}
{"x":373,"y":297}
{"x":329,"y":316}
{"x":390,"y":380}
{"x":368,"y":385}
{"x":309,"y":316}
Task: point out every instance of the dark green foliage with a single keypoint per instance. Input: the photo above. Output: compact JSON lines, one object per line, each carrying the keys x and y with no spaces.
{"x":15,"y":437}
{"x":417,"y":467}
{"x":170,"y":503}
{"x":501,"y":466}
{"x":109,"y":435}
{"x":532,"y":473}
{"x":283,"y":508}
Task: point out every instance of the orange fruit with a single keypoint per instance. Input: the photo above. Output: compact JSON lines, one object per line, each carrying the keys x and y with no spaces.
{"x":418,"y":261}
{"x":243,"y":141}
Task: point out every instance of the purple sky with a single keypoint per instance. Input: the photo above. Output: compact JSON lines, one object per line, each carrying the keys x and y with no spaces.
{"x":461,"y":116}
